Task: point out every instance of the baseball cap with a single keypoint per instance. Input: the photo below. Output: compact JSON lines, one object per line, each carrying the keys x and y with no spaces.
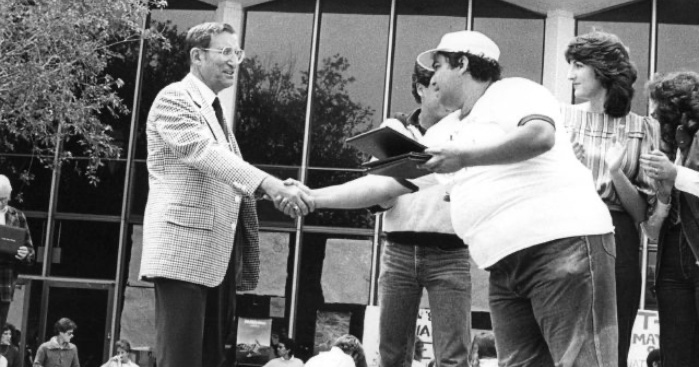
{"x":475,"y":43}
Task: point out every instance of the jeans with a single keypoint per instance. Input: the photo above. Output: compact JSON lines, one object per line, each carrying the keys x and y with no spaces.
{"x":678,"y":301}
{"x":628,"y":278}
{"x":446,"y":274}
{"x":554,"y":304}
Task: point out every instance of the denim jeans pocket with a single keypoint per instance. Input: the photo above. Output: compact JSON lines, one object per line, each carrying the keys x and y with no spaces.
{"x":608,"y":243}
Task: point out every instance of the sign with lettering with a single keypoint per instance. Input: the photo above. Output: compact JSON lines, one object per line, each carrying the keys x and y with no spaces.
{"x":645,"y":337}
{"x":424,"y":332}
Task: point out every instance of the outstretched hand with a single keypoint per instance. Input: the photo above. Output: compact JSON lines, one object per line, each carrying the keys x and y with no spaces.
{"x":290,"y":197}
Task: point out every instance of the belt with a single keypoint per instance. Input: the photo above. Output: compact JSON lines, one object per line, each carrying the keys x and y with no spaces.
{"x":443,"y":241}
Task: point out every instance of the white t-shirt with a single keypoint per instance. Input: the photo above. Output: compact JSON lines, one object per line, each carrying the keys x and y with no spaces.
{"x":424,"y":210}
{"x":501,"y":209}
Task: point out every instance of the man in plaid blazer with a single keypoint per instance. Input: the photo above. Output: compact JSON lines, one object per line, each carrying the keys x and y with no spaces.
{"x":201,"y":201}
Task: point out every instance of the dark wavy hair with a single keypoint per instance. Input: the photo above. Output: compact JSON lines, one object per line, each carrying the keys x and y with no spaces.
{"x":676,"y":98}
{"x":421,"y":76}
{"x":609,"y":58}
{"x":480,"y":68}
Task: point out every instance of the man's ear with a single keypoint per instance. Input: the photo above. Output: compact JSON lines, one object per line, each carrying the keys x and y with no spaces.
{"x":420,"y":90}
{"x":196,"y":55}
{"x":463,"y":67}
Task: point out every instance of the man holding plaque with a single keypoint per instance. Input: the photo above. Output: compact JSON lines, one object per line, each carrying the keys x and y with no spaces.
{"x":11,"y":217}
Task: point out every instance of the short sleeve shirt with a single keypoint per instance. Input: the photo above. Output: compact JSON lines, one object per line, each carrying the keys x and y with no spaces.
{"x":501,"y":209}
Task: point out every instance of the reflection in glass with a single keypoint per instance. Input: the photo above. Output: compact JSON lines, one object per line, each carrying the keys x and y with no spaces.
{"x":678,"y":35}
{"x":31,"y":182}
{"x":77,"y":195}
{"x":419,"y":27}
{"x":360,"y":218}
{"x":37,"y":228}
{"x":632,"y":24}
{"x":164,"y":65}
{"x":85,"y":249}
{"x":518,"y":32}
{"x":139,"y":188}
{"x":311,"y":298}
{"x":348,"y":94}
{"x":273,"y":83}
{"x":88,"y":309}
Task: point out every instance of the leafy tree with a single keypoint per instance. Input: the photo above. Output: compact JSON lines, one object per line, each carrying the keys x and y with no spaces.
{"x":53,"y":86}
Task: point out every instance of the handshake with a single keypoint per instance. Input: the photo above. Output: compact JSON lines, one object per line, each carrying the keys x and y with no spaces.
{"x":290,"y":196}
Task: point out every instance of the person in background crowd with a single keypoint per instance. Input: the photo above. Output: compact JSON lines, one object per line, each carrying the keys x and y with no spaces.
{"x":123,"y":348}
{"x":483,"y":352}
{"x":286,"y":348}
{"x":12,"y":217}
{"x":59,"y":351}
{"x":341,"y":354}
{"x":653,"y":359}
{"x":420,"y":249}
{"x":526,"y":208}
{"x":200,"y":227}
{"x":7,"y":349}
{"x":609,"y":139}
{"x":675,"y":104}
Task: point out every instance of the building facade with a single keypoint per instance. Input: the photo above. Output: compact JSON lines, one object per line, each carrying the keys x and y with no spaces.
{"x":358,"y":57}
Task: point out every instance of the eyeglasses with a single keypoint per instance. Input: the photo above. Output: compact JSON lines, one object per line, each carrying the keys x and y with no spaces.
{"x":228,"y":52}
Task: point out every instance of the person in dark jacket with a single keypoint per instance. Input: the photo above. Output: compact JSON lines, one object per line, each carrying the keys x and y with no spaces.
{"x":675,"y":103}
{"x":59,"y":351}
{"x":7,"y":349}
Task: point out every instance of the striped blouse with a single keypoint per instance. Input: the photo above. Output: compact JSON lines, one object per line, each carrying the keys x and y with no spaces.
{"x":597,"y":133}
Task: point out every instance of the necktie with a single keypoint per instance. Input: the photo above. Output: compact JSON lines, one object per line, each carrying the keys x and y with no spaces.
{"x":219,"y":116}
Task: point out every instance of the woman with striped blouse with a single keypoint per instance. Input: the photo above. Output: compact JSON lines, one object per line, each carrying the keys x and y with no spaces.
{"x":609,"y":140}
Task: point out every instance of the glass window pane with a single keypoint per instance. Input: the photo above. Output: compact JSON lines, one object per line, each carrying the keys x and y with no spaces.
{"x":632,"y":24}
{"x":506,"y":24}
{"x":419,"y":27}
{"x":164,"y":66}
{"x":678,"y":35}
{"x":33,"y":194}
{"x":37,"y":228}
{"x":88,"y":309}
{"x":77,"y":195}
{"x":273,"y":83}
{"x":348,"y":95}
{"x":85,"y":249}
{"x":360,"y":218}
{"x":139,"y":188}
{"x":311,"y":298}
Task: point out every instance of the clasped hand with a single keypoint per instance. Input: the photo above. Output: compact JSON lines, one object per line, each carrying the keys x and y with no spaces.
{"x":291,"y":197}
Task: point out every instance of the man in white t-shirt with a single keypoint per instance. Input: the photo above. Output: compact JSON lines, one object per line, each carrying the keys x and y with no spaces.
{"x":420,"y":249}
{"x":527,"y":208}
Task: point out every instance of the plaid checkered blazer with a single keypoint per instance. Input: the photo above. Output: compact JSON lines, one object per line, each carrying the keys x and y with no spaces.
{"x":199,"y":189}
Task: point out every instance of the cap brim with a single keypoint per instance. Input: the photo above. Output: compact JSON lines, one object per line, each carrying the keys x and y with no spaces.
{"x":426,"y":58}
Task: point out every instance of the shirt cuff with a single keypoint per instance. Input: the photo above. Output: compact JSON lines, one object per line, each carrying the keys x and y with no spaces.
{"x":687,"y":180}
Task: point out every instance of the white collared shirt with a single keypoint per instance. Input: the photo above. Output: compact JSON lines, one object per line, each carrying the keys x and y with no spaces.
{"x":206,"y":92}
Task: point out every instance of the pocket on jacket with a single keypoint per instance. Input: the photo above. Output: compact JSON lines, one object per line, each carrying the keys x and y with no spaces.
{"x":190,"y":216}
